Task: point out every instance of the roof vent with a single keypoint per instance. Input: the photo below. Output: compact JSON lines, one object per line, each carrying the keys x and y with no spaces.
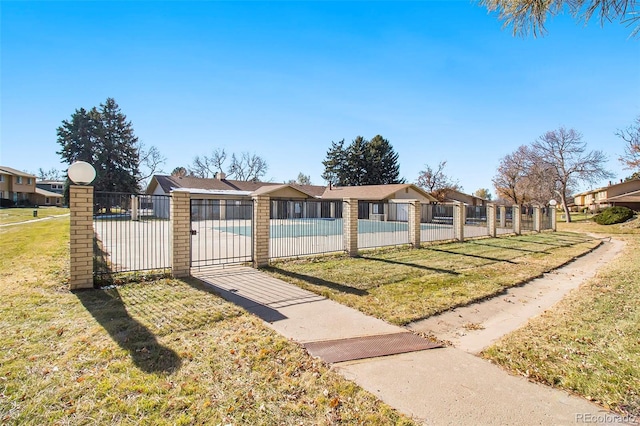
{"x":220,"y":176}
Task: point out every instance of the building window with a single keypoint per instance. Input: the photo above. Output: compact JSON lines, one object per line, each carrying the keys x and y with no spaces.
{"x":56,"y":186}
{"x":57,"y":200}
{"x":18,"y":179}
{"x":1,"y":178}
{"x":29,"y":182}
{"x":46,"y":200}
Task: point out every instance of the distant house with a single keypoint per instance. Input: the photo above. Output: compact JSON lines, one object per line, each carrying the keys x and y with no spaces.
{"x":619,"y":194}
{"x":49,"y":193}
{"x":298,"y":201}
{"x":17,"y":187}
{"x":472,"y":200}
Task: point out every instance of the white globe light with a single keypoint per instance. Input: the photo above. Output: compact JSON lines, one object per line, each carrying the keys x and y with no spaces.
{"x":553,"y":203}
{"x":82,"y":173}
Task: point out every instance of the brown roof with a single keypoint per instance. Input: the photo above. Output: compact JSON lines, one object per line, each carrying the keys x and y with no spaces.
{"x":371,"y":192}
{"x":10,"y":171}
{"x":172,"y":182}
{"x":629,"y":197}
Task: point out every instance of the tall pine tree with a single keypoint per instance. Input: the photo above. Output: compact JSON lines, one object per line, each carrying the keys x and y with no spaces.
{"x":104,"y":138}
{"x":363,"y":162}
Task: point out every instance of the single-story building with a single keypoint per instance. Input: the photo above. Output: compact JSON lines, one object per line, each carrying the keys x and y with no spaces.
{"x":290,"y":200}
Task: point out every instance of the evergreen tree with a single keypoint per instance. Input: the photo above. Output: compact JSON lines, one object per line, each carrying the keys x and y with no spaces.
{"x":335,"y":164}
{"x":363,"y":162}
{"x":105,"y":139}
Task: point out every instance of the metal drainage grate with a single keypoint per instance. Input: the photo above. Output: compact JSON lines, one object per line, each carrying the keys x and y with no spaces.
{"x":354,"y":348}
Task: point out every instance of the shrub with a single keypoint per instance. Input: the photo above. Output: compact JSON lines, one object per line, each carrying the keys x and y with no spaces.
{"x":613,"y":215}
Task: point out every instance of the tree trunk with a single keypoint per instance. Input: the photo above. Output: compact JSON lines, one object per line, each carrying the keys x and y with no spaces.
{"x":567,"y":214}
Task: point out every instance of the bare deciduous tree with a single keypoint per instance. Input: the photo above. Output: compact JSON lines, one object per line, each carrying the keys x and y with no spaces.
{"x":51,"y":174}
{"x":564,"y":155}
{"x":510,"y":179}
{"x":302,"y":179}
{"x":631,"y":137}
{"x":150,"y":162}
{"x":207,"y":167}
{"x":436,"y":181}
{"x":247,"y":167}
{"x":530,"y":15}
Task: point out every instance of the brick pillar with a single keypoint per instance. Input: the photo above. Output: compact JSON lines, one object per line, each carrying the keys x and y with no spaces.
{"x":517,"y":227}
{"x":350,"y":225}
{"x":81,"y":237}
{"x":503,"y":216}
{"x":553,"y":212}
{"x":180,"y":234}
{"x":491,"y":220}
{"x":261,"y":224}
{"x":458,"y":220}
{"x":414,"y":223}
{"x":537,"y":218}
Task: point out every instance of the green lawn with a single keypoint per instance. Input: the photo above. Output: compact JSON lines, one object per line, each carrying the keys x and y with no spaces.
{"x":22,"y":214}
{"x":160,"y":352}
{"x":590,"y":342}
{"x":404,"y":285}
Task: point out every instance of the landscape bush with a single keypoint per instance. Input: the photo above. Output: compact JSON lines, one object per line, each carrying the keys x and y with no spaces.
{"x":613,"y":215}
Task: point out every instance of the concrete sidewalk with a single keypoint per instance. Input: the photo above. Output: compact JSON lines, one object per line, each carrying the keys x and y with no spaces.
{"x":436,"y":386}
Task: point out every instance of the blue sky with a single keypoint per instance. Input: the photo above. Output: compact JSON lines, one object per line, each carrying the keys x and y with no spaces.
{"x":441,"y":80}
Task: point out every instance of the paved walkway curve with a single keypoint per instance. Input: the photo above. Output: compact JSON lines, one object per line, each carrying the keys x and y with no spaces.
{"x":435,"y":386}
{"x":34,"y":220}
{"x":477,"y":326}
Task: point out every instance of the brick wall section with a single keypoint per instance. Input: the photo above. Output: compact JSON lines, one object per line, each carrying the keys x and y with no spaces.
{"x":81,"y":237}
{"x":261,"y":231}
{"x":458,"y":220}
{"x":503,"y":216}
{"x":180,"y":234}
{"x":517,"y":224}
{"x":491,"y":219}
{"x":350,"y":225}
{"x":414,"y":223}
{"x":537,"y":218}
{"x":554,"y":218}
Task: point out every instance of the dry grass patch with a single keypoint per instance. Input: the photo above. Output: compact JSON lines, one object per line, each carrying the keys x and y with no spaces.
{"x":590,"y":342}
{"x":162,"y":352}
{"x":404,"y":285}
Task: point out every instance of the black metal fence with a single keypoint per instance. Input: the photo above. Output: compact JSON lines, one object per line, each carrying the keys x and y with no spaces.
{"x":131,"y":233}
{"x":302,"y":228}
{"x":385,"y":224}
{"x":436,"y":222}
{"x":546,"y":213}
{"x":504,"y":220}
{"x":526,"y":218}
{"x":476,"y":224}
{"x":221,"y":232}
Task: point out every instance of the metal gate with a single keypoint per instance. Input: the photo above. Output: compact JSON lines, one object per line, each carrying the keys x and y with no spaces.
{"x":221,"y":232}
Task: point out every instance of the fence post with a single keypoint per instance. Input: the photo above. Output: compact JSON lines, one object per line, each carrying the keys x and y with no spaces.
{"x":458,"y":220}
{"x":537,"y":218}
{"x":553,"y":212}
{"x":81,"y":237}
{"x":350,"y":225}
{"x":180,"y":234}
{"x":503,"y":216}
{"x":414,"y":223}
{"x":261,"y":231}
{"x":491,"y":219}
{"x":517,"y":219}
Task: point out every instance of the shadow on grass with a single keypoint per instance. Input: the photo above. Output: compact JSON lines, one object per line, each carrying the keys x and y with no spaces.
{"x":108,"y":309}
{"x":412,"y":265}
{"x":497,"y":246}
{"x":318,"y":281}
{"x":476,"y":256}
